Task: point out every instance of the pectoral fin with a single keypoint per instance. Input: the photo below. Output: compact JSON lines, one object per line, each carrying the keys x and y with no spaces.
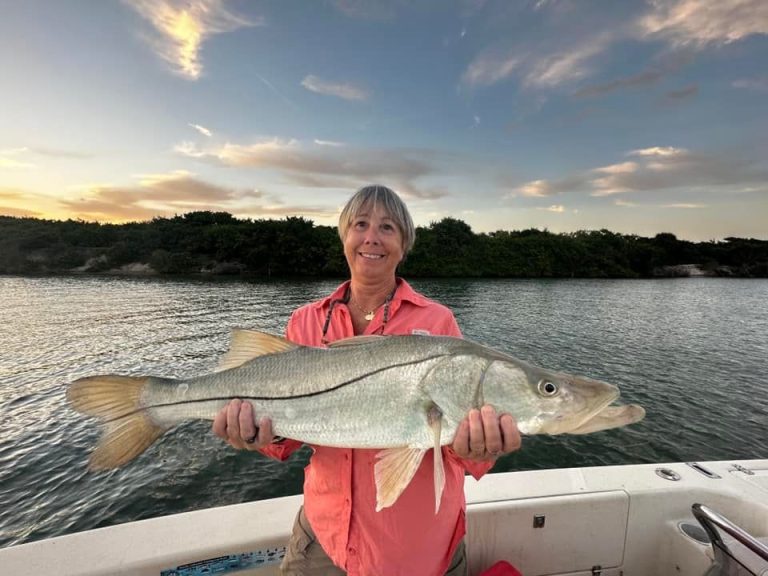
{"x":435,"y":419}
{"x":393,"y":471}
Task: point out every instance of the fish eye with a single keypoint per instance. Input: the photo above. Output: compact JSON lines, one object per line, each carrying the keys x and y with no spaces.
{"x":547,"y":388}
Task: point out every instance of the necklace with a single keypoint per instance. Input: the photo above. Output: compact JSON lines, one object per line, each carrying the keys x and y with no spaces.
{"x":369,"y":314}
{"x":345,"y":300}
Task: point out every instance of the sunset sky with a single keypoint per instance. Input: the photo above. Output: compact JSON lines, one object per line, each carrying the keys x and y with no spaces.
{"x":636,"y":116}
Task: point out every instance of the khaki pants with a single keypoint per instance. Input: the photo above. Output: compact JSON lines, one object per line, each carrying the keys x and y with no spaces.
{"x":305,"y":556}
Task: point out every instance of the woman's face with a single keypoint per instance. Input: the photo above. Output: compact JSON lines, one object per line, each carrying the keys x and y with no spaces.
{"x":373,"y":245}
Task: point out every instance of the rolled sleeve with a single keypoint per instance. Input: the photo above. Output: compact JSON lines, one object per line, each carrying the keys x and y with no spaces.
{"x":475,"y":468}
{"x":281,"y":451}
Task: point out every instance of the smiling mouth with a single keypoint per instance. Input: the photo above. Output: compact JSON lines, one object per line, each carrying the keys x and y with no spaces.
{"x":370,"y":256}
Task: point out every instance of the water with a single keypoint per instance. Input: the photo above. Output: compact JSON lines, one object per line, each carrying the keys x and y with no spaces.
{"x":692,"y":351}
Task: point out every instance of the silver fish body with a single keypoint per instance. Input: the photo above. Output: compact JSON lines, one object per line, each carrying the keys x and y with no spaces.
{"x":403,"y":393}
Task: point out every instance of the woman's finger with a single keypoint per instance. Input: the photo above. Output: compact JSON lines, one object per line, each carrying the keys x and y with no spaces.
{"x":476,"y":434}
{"x":248,"y":430}
{"x":491,"y":430}
{"x":219,"y":426}
{"x":233,"y":424}
{"x":512,"y":439}
{"x":461,"y":439}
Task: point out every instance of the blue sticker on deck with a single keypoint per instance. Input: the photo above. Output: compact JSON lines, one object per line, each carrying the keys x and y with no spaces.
{"x":231,"y":563}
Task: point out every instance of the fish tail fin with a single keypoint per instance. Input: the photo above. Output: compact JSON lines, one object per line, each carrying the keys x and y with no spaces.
{"x":128,"y":429}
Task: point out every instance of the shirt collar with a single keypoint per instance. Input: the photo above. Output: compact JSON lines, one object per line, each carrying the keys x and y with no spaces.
{"x":403,"y":293}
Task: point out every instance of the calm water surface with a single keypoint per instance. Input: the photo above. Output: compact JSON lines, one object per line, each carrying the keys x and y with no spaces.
{"x":692,"y":351}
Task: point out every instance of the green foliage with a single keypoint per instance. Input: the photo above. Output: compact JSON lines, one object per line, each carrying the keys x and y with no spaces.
{"x":219,"y":243}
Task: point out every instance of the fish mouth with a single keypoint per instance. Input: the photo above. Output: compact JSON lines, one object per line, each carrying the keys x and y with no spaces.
{"x":611,"y":416}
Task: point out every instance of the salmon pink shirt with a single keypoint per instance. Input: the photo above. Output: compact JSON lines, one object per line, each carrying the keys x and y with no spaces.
{"x":339,"y":489}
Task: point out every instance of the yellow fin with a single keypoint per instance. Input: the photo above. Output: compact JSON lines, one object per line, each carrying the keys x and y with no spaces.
{"x":106,"y":397}
{"x":393,"y":472}
{"x":249,"y":344}
{"x":128,"y":430}
{"x":355,"y":341}
{"x":123,"y":440}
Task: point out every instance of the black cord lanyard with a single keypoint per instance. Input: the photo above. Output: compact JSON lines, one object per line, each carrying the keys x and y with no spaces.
{"x":345,"y":300}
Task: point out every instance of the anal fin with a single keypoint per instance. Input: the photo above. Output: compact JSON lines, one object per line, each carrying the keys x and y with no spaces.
{"x":393,"y":471}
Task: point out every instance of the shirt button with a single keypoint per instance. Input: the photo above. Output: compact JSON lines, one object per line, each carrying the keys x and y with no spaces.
{"x":352,"y":551}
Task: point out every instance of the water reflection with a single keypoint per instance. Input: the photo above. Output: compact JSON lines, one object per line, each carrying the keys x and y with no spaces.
{"x":691,"y":351}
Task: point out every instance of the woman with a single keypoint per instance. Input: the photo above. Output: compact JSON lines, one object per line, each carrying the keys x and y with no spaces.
{"x":338,"y":530}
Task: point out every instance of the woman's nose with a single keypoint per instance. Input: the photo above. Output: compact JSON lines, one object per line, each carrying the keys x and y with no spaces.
{"x":371,"y":237}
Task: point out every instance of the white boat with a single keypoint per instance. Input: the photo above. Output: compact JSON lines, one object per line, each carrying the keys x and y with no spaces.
{"x":614,"y":520}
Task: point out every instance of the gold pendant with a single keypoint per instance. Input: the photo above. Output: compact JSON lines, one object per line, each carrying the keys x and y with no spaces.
{"x":370,"y":314}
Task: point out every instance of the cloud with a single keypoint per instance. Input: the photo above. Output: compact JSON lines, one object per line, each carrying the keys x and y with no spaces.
{"x":344,"y":91}
{"x":162,"y":195}
{"x":11,"y":163}
{"x":563,"y":67}
{"x":189,"y":149}
{"x":325,"y":166}
{"x":59,"y":153}
{"x":377,"y":10}
{"x":643,"y":78}
{"x":656,"y":169}
{"x":546,"y":188}
{"x":679,"y":205}
{"x":702,"y":22}
{"x":7,"y":160}
{"x":664,"y":65}
{"x":202,"y":129}
{"x":663,"y":151}
{"x":537,"y":68}
{"x":536,"y":189}
{"x":11,"y":197}
{"x":621,"y":168}
{"x":558,"y":208}
{"x":683,"y":94}
{"x":13,"y":151}
{"x":570,"y":52}
{"x":156,"y":195}
{"x":490,"y":68}
{"x":8,"y":156}
{"x":18,"y":212}
{"x":328,"y":143}
{"x":182,"y":26}
{"x":759,"y":83}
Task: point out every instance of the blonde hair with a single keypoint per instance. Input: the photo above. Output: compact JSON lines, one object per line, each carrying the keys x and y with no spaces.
{"x":371,"y":196}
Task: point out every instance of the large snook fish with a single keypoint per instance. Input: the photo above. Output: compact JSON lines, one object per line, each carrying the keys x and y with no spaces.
{"x":404,"y":394}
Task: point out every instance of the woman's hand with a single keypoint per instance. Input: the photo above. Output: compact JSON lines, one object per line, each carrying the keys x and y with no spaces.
{"x":483,"y":435}
{"x":234,"y":423}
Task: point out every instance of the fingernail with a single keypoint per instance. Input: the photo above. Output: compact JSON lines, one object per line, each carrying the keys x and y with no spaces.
{"x":250,"y":440}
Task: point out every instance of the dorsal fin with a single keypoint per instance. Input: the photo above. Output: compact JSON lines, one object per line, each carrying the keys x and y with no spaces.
{"x":249,"y":344}
{"x":355,"y":341}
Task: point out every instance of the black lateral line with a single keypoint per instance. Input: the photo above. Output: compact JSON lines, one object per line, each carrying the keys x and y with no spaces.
{"x":298,"y":396}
